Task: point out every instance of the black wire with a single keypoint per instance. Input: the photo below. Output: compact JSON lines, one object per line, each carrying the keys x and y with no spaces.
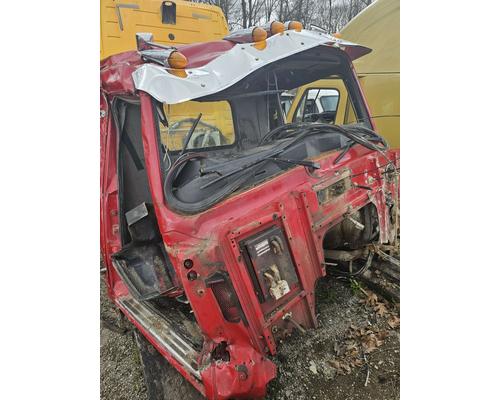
{"x":359,"y":135}
{"x":344,"y":152}
{"x":367,"y":265}
{"x":281,"y":128}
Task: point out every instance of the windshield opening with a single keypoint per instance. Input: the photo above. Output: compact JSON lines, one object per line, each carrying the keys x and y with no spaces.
{"x":315,"y":86}
{"x":236,"y":123}
{"x":217,"y":146}
{"x":215,"y":127}
{"x":281,"y":116}
{"x":241,"y":121}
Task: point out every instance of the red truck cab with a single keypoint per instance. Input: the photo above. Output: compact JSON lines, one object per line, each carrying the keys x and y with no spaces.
{"x":218,"y":217}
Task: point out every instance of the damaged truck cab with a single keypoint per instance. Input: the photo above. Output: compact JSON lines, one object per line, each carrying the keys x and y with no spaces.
{"x":217,"y":216}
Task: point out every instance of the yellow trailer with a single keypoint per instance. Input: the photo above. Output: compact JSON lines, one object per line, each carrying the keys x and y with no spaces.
{"x":170,"y":22}
{"x":376,"y":27}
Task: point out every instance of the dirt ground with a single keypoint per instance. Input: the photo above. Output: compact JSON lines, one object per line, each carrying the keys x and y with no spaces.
{"x":354,"y":354}
{"x":121,"y":369}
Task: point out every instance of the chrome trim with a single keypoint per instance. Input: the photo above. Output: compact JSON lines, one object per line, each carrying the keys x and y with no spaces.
{"x":164,"y":332}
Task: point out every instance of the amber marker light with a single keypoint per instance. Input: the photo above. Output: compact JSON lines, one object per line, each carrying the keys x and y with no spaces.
{"x":295,"y":25}
{"x":180,"y":73}
{"x":259,"y":34}
{"x":177,"y":60}
{"x":277,"y":27}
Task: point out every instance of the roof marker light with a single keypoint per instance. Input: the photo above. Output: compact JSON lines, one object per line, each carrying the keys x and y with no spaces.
{"x":259,"y":34}
{"x":274,"y":27}
{"x":180,"y":73}
{"x":277,"y":27}
{"x":177,"y":60}
{"x":248,"y":35}
{"x":296,"y":25}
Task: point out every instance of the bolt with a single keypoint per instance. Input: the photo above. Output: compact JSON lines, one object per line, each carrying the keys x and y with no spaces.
{"x":243,"y":375}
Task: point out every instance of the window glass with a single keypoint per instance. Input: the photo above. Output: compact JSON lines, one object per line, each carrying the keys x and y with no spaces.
{"x":286,"y":102}
{"x":318,"y":105}
{"x":329,"y":102}
{"x":215,"y":127}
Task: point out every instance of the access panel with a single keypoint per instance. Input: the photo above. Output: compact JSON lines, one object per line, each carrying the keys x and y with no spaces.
{"x":270,"y":266}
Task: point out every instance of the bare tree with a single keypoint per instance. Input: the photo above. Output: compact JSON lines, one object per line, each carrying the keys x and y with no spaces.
{"x":244,"y":13}
{"x":270,"y":8}
{"x":228,"y":7}
{"x":331,"y":15}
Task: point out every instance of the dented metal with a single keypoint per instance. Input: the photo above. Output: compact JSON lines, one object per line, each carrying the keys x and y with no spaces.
{"x":247,"y":265}
{"x":230,"y":67}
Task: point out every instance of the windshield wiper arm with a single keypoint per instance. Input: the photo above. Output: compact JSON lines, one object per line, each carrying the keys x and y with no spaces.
{"x":190,"y":133}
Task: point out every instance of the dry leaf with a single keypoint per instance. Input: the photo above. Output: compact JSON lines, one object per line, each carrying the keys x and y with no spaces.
{"x":382,"y":335}
{"x":380,"y":309}
{"x":350,"y":345}
{"x":372,"y":299}
{"x":358,"y":362}
{"x":345,"y":368}
{"x":354,"y":352}
{"x":393,"y":322}
{"x":370,"y":343}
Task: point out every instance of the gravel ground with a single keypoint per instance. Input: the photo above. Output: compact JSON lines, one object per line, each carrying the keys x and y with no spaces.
{"x":121,"y":370}
{"x":312,"y":359}
{"x":354,"y":354}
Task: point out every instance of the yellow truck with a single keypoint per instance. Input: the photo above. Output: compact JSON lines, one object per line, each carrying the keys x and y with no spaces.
{"x":171,"y":22}
{"x":376,"y":27}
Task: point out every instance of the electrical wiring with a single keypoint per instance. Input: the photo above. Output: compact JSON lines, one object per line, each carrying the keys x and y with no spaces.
{"x":235,"y":179}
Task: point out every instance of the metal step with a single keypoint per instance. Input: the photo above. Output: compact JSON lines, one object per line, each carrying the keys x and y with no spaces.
{"x":164,"y":332}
